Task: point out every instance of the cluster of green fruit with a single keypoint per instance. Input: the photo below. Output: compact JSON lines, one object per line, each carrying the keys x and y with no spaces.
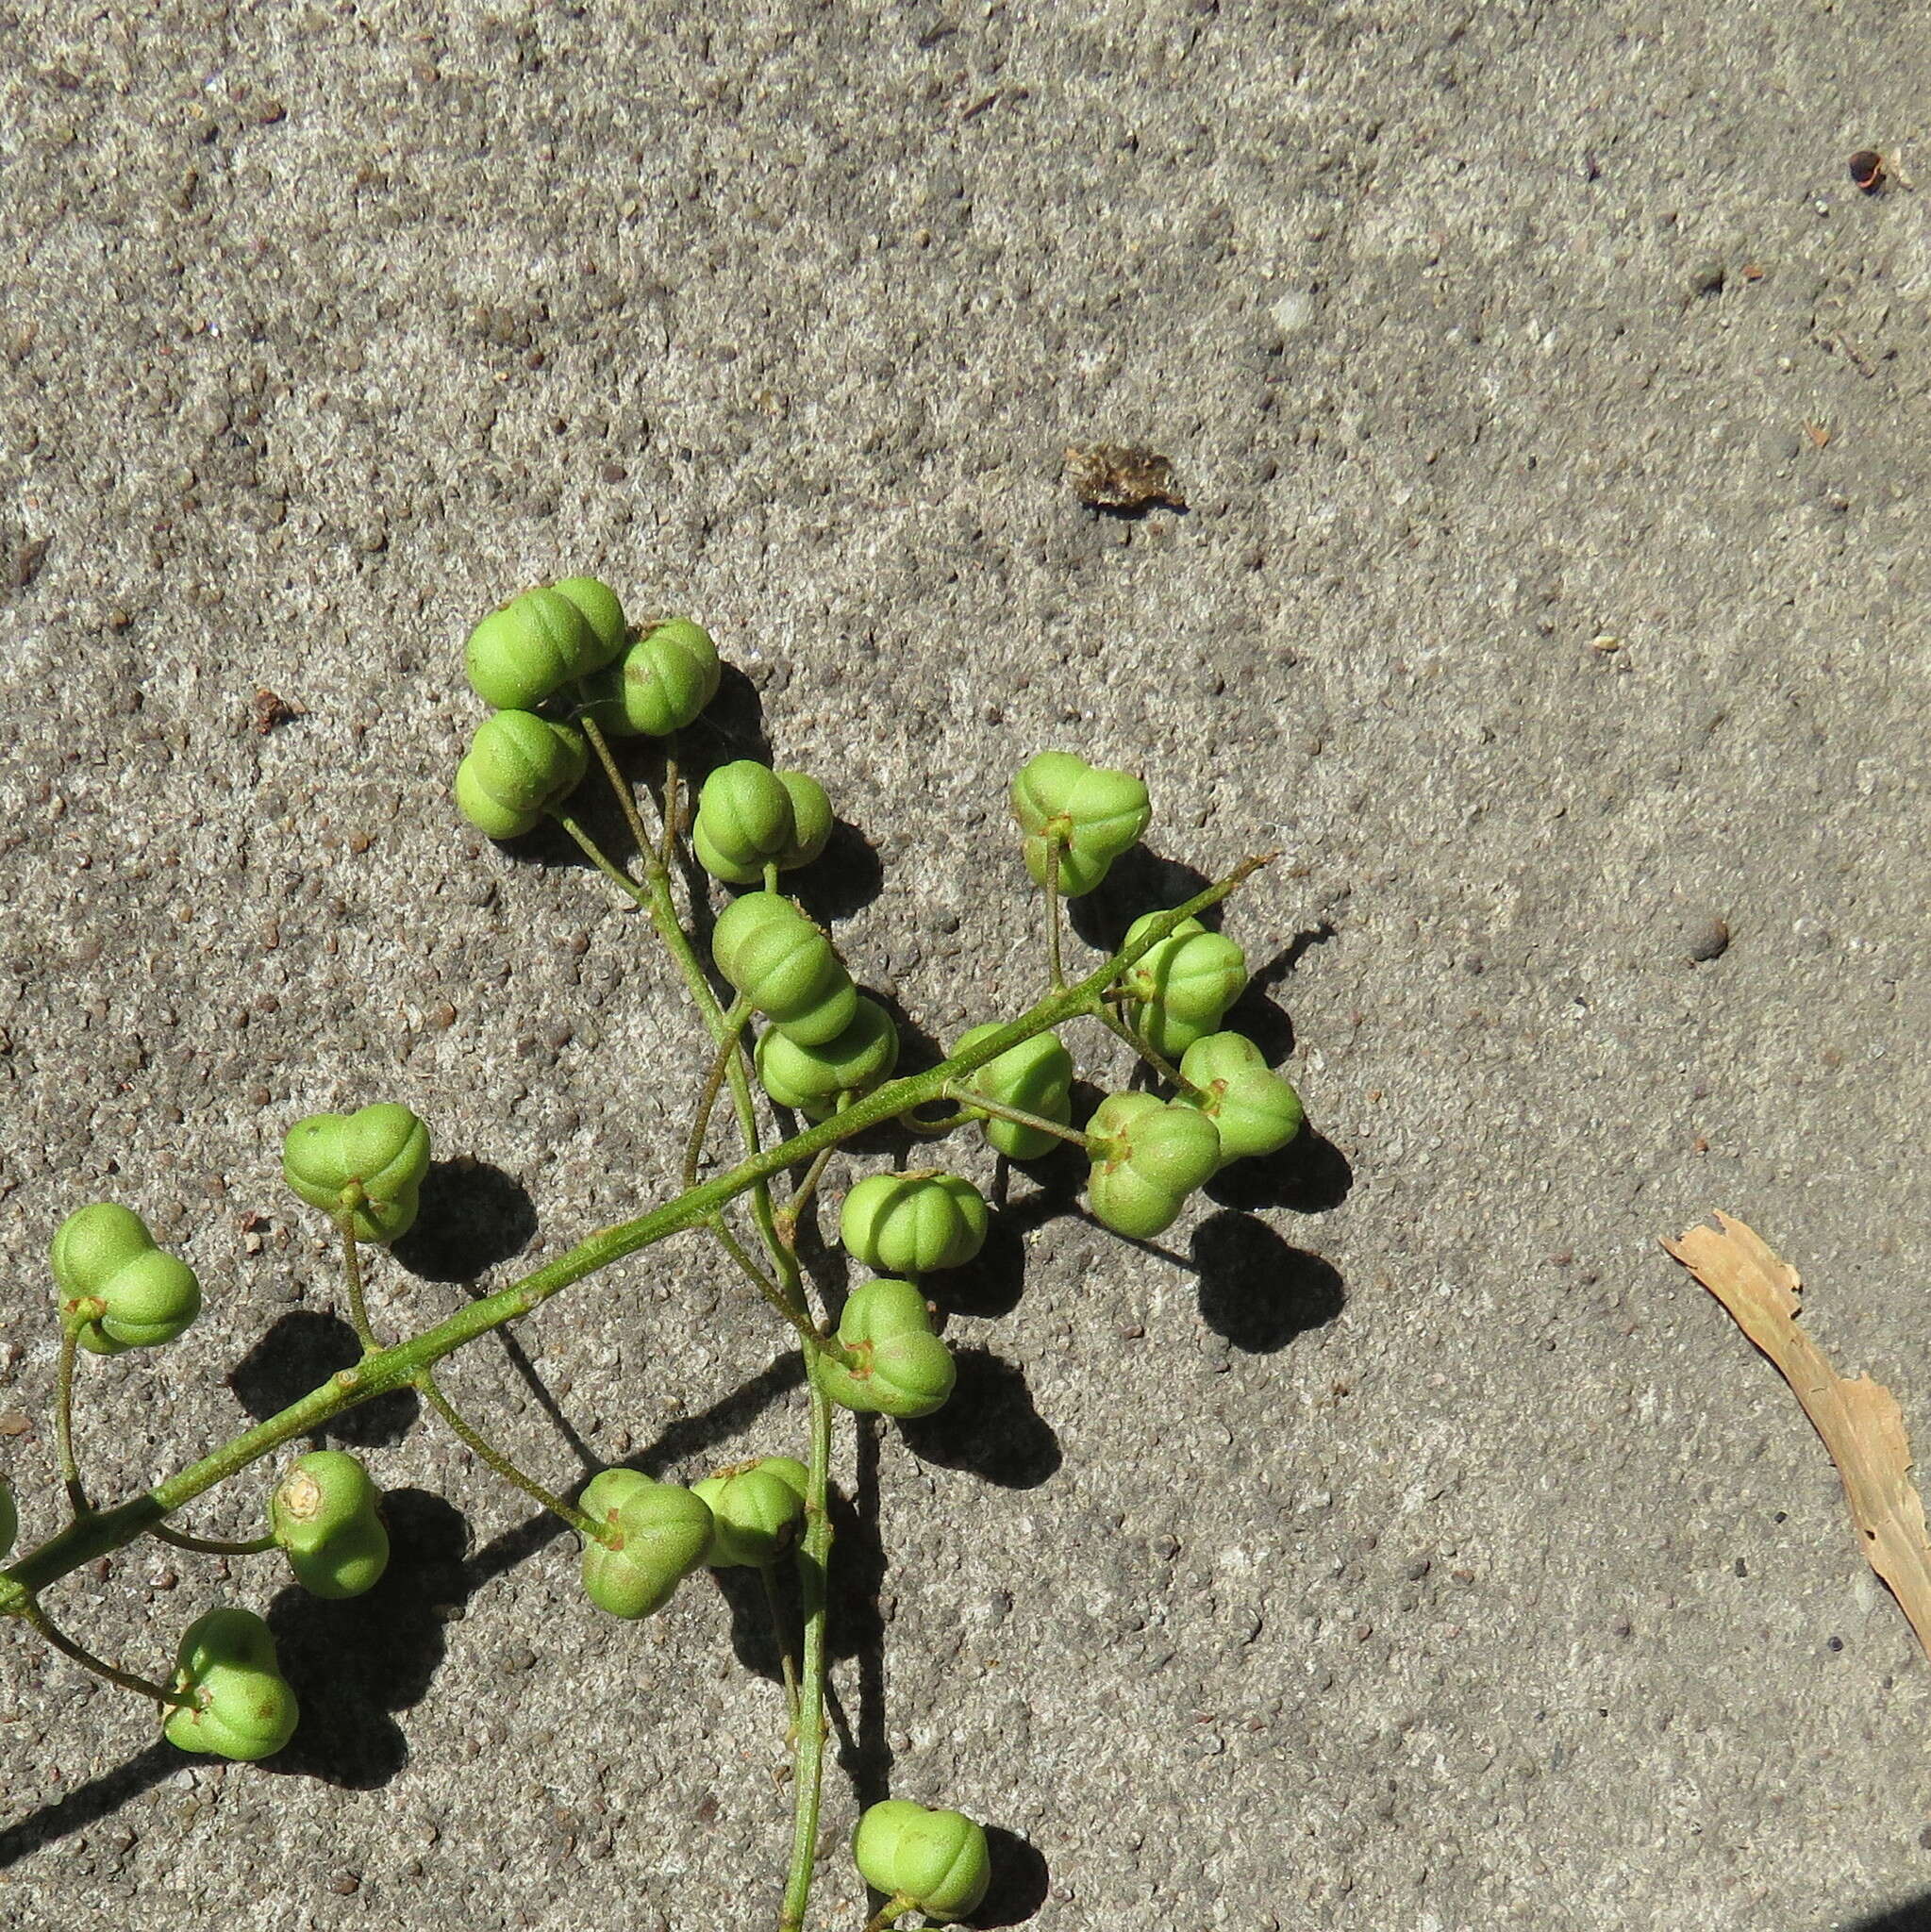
{"x":551,"y":658}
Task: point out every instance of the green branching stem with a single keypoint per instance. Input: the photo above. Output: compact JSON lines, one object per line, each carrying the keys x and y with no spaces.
{"x":735,"y":1022}
{"x":210,"y":1545}
{"x":782,"y":1638}
{"x":352,"y":1276}
{"x":63,"y":1422}
{"x":586,"y":1526}
{"x":33,"y":1614}
{"x":1101,"y":1012}
{"x":100,"y":1532}
{"x":892,"y":1911}
{"x":977,"y":1105}
{"x":807,"y":1749}
{"x":1053,"y":851}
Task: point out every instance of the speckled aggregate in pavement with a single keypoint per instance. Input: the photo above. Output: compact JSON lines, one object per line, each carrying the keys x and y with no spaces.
{"x":1404,"y":1543}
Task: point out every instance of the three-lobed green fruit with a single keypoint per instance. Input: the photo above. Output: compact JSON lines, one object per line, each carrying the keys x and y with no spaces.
{"x":1090,"y":814}
{"x":1148,"y":1155}
{"x":749,"y":816}
{"x":811,"y":1079}
{"x":369,"y":1165}
{"x":660,"y":684}
{"x":118,"y":1289}
{"x":659,"y":1534}
{"x":913,"y":1222}
{"x":325,"y":1515}
{"x":786,"y":967}
{"x":938,"y":1859}
{"x":755,"y":1508}
{"x":1182,"y":984}
{"x":241,"y":1707}
{"x":1255,"y":1108}
{"x":1036,"y":1077}
{"x":899,"y":1367}
{"x":536,"y":644}
{"x":517,"y":768}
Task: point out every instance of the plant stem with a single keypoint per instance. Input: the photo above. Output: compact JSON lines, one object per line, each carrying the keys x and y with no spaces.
{"x":1052,"y":852}
{"x":807,"y":1750}
{"x":1158,"y":1061}
{"x":782,"y":1638}
{"x":352,"y":1280}
{"x":63,"y":1423}
{"x":891,"y":1913}
{"x":594,"y":853}
{"x":735,"y":1022}
{"x":33,"y":1614}
{"x":210,"y":1545}
{"x":627,"y":798}
{"x":975,"y":1103}
{"x":101,"y":1531}
{"x":772,"y":1291}
{"x":586,"y":1526}
{"x":667,"y":858}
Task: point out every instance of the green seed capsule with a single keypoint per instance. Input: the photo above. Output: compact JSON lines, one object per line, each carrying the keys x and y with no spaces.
{"x":324,"y":1514}
{"x":757,"y":1510}
{"x":597,"y":604}
{"x":745,"y":821}
{"x":1255,"y":1109}
{"x":242,"y":1707}
{"x":810,"y":817}
{"x":1184,"y":984}
{"x":10,"y":1522}
{"x":660,"y":684}
{"x":1148,"y":1155}
{"x":529,"y":649}
{"x":517,"y":767}
{"x":810,"y":1079}
{"x":938,"y":1859}
{"x":900,"y":1367}
{"x":376,"y":1158}
{"x":912,"y":1224}
{"x":1035,"y":1076}
{"x":117,"y":1289}
{"x":1091,"y":815}
{"x":662,"y":1532}
{"x":786,"y":967}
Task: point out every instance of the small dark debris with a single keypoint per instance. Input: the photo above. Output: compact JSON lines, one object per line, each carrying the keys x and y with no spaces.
{"x":1708,"y":278}
{"x":1709,"y":938}
{"x":28,"y":560}
{"x":1867,"y":170}
{"x":1116,"y":476}
{"x":270,"y":710}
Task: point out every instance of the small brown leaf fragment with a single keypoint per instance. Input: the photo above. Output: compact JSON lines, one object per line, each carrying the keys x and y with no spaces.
{"x":270,"y":710}
{"x":28,"y":560}
{"x":1861,"y":1422}
{"x":1119,"y":476}
{"x":1818,"y":434}
{"x":14,"y":1422}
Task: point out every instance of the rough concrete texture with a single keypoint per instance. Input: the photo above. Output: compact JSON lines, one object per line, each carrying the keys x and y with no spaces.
{"x":1403,"y":1540}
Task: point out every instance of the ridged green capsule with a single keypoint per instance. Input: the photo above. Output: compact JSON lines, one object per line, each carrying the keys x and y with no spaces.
{"x":1255,"y":1109}
{"x":1092,"y":815}
{"x":938,"y":1859}
{"x":756,"y":1511}
{"x":117,"y":1289}
{"x":383,"y":1151}
{"x":1036,"y":1077}
{"x":517,"y":767}
{"x":809,"y":1080}
{"x":529,"y":649}
{"x":662,"y":1532}
{"x":1148,"y":1155}
{"x":812,"y":819}
{"x":325,"y":1515}
{"x":599,"y":607}
{"x":912,"y":1224}
{"x":1183,"y":985}
{"x":900,"y":1367}
{"x":243,"y":1708}
{"x":660,"y":684}
{"x":10,"y":1522}
{"x":745,"y":821}
{"x":786,"y":967}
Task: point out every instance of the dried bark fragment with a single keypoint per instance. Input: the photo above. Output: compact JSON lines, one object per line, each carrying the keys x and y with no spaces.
{"x":1112,"y":475}
{"x":1860,"y":1421}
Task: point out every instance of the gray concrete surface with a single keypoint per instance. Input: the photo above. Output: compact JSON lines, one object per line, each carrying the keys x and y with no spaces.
{"x":1419,"y":1550}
